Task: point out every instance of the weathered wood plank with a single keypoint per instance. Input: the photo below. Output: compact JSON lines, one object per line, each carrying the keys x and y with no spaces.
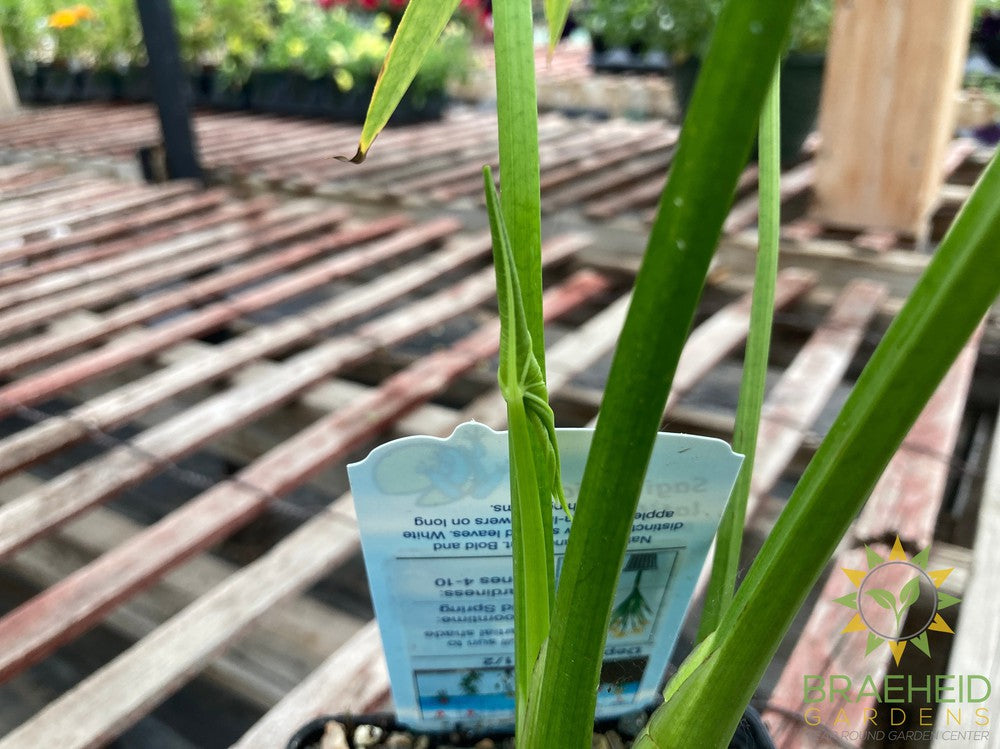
{"x":86,"y":366}
{"x":105,"y":200}
{"x":976,"y":649}
{"x":281,"y":649}
{"x":798,"y":398}
{"x":714,"y":339}
{"x":911,"y":489}
{"x":888,"y":63}
{"x":191,"y":638}
{"x":353,"y":680}
{"x":78,"y":248}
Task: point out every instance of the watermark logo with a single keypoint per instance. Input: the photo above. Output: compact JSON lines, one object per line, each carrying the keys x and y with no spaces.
{"x":886,"y":593}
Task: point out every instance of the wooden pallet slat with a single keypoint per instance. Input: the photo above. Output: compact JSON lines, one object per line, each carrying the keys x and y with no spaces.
{"x":911,"y":489}
{"x":715,"y":338}
{"x":226,"y":243}
{"x":976,"y":649}
{"x":354,"y":680}
{"x":798,"y":398}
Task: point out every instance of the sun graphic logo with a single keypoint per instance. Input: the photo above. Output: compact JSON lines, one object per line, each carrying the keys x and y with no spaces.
{"x":888,"y":591}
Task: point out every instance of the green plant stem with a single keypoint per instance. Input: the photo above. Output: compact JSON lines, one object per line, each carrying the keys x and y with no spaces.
{"x":718,"y":132}
{"x":517,"y":124}
{"x":534,"y":463}
{"x":948,"y":302}
{"x":532,"y":599}
{"x":725,"y":564}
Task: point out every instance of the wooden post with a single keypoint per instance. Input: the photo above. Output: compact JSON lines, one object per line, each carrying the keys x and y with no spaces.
{"x":888,"y":111}
{"x":9,"y":101}
{"x":169,"y":92}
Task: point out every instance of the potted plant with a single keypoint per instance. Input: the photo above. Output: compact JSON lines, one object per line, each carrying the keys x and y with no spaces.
{"x":354,"y":732}
{"x":986,"y":29}
{"x":645,"y":35}
{"x":324,"y":62}
{"x":560,"y":633}
{"x":68,"y":45}
{"x":802,"y":68}
{"x":116,"y":40}
{"x":221,"y":43}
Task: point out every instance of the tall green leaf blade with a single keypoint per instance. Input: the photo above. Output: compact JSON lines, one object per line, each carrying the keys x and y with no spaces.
{"x":517,"y":125}
{"x":722,"y":584}
{"x":517,"y":129}
{"x":534,"y":461}
{"x":948,"y":302}
{"x":556,"y":11}
{"x":714,"y":146}
{"x":421,"y":26}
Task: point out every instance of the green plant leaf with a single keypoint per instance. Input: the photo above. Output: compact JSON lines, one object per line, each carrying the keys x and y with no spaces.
{"x":421,"y":25}
{"x":883,"y":598}
{"x":714,"y":145}
{"x":517,"y":126}
{"x":953,"y":294}
{"x":535,"y":475}
{"x":729,"y":541}
{"x":556,"y":11}
{"x":909,"y":593}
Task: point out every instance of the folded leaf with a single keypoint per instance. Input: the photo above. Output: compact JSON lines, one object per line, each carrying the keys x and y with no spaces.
{"x":421,"y":25}
{"x":556,"y":11}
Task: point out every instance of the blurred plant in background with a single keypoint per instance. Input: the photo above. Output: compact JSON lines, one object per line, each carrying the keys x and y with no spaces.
{"x":681,"y":28}
{"x":227,"y":41}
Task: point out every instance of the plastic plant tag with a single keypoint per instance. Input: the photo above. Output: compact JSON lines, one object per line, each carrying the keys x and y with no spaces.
{"x":434,"y":516}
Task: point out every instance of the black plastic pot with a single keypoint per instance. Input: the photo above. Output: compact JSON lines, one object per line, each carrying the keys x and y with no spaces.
{"x":273,"y":91}
{"x":750,"y":734}
{"x":216,"y":91}
{"x":281,"y":92}
{"x":801,"y":87}
{"x":102,"y":84}
{"x":987,"y":35}
{"x":619,"y":60}
{"x":136,"y":84}
{"x":57,"y":84}
{"x":25,"y":83}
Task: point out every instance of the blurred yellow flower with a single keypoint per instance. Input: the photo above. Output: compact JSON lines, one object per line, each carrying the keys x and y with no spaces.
{"x":63,"y":19}
{"x":67,"y":17}
{"x":344,"y":79}
{"x":383,"y":23}
{"x":295,"y":47}
{"x":286,"y":6}
{"x":235,"y":44}
{"x":337,"y":53}
{"x":369,"y":46}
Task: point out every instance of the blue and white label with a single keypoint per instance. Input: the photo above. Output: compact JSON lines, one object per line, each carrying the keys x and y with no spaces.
{"x":435,"y":528}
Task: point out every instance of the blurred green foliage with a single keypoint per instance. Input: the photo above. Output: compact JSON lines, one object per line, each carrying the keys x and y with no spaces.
{"x":682,"y":28}
{"x":232,"y":36}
